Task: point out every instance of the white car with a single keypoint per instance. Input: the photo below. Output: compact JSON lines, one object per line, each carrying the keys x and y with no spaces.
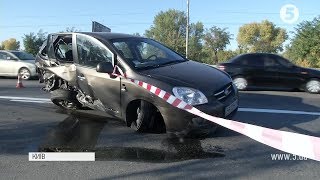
{"x":13,"y":63}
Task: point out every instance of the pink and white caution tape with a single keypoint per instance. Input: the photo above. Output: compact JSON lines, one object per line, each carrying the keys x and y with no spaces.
{"x":294,"y":143}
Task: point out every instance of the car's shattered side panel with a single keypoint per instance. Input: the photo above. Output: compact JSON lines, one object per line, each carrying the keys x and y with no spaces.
{"x":66,"y":72}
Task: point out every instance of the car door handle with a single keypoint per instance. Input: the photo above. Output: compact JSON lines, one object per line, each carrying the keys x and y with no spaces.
{"x":81,"y":78}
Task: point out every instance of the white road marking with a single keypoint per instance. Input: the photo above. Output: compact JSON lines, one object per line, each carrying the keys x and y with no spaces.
{"x":277,"y":111}
{"x":24,"y":98}
{"x":31,"y":101}
{"x":257,"y":110}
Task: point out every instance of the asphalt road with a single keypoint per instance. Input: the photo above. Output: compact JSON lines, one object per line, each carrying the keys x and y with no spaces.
{"x":29,"y":125}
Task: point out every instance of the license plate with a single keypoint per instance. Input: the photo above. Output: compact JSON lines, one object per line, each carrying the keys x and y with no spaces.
{"x":229,"y":109}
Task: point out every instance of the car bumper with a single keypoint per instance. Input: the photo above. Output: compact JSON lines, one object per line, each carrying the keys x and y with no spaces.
{"x":181,"y":123}
{"x":33,"y":72}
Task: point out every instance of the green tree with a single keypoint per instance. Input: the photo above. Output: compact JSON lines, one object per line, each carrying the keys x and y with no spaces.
{"x":226,"y":55}
{"x":136,"y":34}
{"x":10,"y":44}
{"x":32,"y":42}
{"x":305,"y":47}
{"x":261,"y":37}
{"x":216,"y":39}
{"x":195,"y":42}
{"x":169,"y":28}
{"x":72,"y":29}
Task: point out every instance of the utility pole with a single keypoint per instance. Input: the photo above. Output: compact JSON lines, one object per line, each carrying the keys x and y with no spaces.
{"x":187,"y":30}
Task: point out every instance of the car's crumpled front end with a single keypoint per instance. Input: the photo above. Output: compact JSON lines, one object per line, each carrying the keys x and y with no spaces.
{"x":182,"y":123}
{"x":206,"y":88}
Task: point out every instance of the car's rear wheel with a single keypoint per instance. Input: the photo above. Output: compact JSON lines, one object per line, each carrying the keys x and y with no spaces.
{"x":25,"y":73}
{"x":313,"y":86}
{"x":65,"y":99}
{"x":240,"y":82}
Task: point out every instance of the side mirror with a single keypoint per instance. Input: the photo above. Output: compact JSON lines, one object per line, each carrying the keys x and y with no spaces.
{"x":104,"y":67}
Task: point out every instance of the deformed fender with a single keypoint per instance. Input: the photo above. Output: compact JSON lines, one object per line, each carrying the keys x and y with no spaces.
{"x":66,"y":72}
{"x":175,"y":119}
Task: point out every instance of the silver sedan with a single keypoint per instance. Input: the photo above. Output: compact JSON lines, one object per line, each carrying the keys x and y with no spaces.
{"x":13,"y":63}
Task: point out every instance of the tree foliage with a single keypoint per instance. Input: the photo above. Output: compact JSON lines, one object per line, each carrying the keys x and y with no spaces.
{"x":72,"y":29}
{"x":305,"y":47}
{"x":32,"y":42}
{"x":261,"y":37}
{"x":195,"y":41}
{"x":169,"y":28}
{"x":216,"y":39}
{"x":10,"y":44}
{"x":136,"y":34}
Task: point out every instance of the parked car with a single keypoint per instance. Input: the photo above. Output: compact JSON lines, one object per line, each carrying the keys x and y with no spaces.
{"x":77,"y":69}
{"x":13,"y":63}
{"x":270,"y":70}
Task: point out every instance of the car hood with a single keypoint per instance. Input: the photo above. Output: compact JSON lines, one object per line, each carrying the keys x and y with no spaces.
{"x":191,"y":74}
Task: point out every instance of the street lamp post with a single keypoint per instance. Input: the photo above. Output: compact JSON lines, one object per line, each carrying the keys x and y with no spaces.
{"x":187,"y":30}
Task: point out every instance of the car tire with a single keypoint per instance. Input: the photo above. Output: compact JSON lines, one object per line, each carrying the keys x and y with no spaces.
{"x":65,"y":99}
{"x":313,"y":86}
{"x":25,"y":73}
{"x":240,"y":82}
{"x":144,"y":113}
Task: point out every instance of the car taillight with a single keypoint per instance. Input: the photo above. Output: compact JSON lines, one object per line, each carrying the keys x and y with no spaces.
{"x":221,"y":67}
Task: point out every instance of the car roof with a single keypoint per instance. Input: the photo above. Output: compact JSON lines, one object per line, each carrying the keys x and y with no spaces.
{"x":108,"y":35}
{"x":104,"y":35}
{"x":257,"y":54}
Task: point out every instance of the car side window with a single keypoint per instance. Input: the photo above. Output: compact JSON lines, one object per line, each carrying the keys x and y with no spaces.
{"x":284,"y":62}
{"x":270,"y":62}
{"x":253,"y":60}
{"x":2,"y":55}
{"x":91,"y":51}
{"x":6,"y":56}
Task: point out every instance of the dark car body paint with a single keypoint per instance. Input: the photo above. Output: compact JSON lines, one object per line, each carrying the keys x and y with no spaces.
{"x":294,"y":77}
{"x":192,"y":74}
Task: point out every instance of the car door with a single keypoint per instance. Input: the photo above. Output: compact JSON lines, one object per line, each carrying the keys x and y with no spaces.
{"x":252,"y":67}
{"x":7,"y":64}
{"x":100,"y":86}
{"x":271,"y":71}
{"x":290,"y":76}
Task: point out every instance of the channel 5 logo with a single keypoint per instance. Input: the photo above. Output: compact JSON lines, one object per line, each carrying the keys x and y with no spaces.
{"x":289,"y":13}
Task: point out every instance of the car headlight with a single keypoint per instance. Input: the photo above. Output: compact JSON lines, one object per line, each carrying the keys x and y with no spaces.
{"x":190,"y":95}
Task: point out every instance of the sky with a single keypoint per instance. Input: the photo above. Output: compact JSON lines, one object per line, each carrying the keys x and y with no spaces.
{"x":19,"y":17}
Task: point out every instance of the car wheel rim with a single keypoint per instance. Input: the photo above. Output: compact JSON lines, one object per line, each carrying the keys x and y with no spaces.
{"x":240,"y":83}
{"x":313,"y":86}
{"x":138,"y":116}
{"x":25,"y":74}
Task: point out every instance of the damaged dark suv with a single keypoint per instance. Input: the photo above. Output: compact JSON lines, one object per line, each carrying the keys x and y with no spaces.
{"x":78,"y":70}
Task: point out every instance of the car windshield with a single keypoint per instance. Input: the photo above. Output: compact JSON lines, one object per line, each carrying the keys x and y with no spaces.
{"x":145,"y":53}
{"x":23,"y":55}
